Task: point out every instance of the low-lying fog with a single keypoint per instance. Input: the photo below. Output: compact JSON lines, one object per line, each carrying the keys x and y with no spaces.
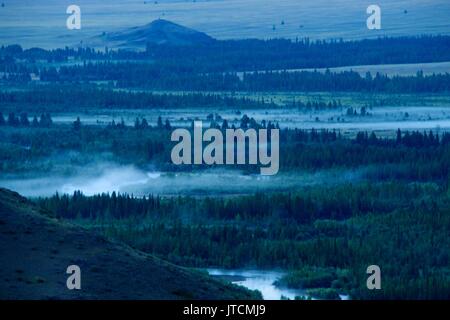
{"x":107,"y":176}
{"x":129,"y":179}
{"x":377,"y":118}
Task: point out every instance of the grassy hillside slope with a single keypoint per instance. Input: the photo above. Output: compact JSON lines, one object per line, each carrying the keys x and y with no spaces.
{"x":36,"y":250}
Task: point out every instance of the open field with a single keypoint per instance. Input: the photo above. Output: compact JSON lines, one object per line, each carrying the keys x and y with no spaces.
{"x":42,"y":23}
{"x":391,"y":70}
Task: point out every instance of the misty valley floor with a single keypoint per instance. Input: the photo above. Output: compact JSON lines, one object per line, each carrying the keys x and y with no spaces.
{"x":338,"y":201}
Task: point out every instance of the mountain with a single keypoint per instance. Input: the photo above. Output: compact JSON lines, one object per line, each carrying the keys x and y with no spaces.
{"x":37,"y":248}
{"x":157,"y":32}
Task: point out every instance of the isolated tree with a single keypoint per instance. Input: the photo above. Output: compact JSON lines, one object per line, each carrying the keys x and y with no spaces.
{"x":160,"y":123}
{"x":225,"y":124}
{"x":399,"y":136}
{"x":144,"y":124}
{"x":46,"y":120}
{"x":363,"y":111}
{"x":373,"y":138}
{"x":12,"y":119}
{"x":244,"y":121}
{"x":137,"y":123}
{"x":167,"y":125}
{"x":24,"y":119}
{"x":35,"y":122}
{"x":77,"y":124}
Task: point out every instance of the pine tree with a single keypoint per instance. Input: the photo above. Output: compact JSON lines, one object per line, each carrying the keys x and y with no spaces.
{"x":399,"y":137}
{"x":12,"y":119}
{"x":144,"y":124}
{"x":77,"y":124}
{"x":160,"y":123}
{"x":35,"y":122}
{"x":24,"y":119}
{"x":167,"y":125}
{"x":137,"y":123}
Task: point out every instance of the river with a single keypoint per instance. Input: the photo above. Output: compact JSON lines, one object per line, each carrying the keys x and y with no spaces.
{"x":262,"y":280}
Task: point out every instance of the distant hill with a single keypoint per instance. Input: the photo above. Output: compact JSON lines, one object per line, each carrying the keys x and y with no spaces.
{"x":37,"y":248}
{"x":157,"y":32}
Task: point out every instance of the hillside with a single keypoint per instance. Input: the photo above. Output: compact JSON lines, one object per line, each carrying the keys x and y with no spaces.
{"x":37,"y":248}
{"x":157,"y":32}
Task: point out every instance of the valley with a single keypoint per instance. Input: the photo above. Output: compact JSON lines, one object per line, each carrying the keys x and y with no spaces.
{"x":363,"y":125}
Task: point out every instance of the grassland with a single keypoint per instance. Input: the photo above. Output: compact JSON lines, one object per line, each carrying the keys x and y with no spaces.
{"x":43,"y":23}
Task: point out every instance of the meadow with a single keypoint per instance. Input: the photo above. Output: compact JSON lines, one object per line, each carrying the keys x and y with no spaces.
{"x":42,"y":24}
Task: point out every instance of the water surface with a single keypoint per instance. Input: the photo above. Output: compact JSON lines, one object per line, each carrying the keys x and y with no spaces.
{"x":263,"y":281}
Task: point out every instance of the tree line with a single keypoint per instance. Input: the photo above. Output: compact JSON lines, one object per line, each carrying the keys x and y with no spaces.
{"x":132,"y":75}
{"x":254,"y":54}
{"x":55,"y":98}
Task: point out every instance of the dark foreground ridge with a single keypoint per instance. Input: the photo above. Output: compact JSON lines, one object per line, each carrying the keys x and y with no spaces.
{"x":36,"y":250}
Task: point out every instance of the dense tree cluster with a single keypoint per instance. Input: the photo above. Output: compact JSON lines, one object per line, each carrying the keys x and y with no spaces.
{"x":45,"y":120}
{"x":267,"y":65}
{"x":421,"y":156}
{"x":253,"y":54}
{"x":392,"y":216}
{"x":403,"y":227}
{"x":60,"y":98}
{"x":126,"y":75}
